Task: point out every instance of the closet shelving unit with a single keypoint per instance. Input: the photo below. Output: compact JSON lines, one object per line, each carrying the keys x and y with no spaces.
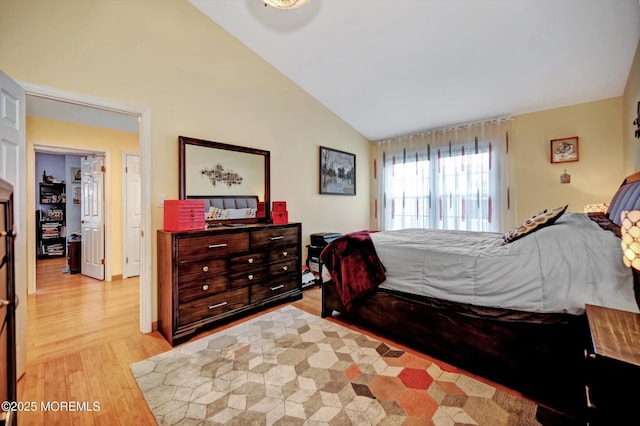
{"x":51,"y":220}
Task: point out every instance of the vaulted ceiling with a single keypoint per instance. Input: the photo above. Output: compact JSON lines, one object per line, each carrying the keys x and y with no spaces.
{"x":397,"y":67}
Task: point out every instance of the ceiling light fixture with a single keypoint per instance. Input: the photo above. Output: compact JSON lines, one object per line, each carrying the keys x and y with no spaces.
{"x":285,"y":4}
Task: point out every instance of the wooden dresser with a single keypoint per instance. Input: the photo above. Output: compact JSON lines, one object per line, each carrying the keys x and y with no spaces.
{"x":207,"y":276}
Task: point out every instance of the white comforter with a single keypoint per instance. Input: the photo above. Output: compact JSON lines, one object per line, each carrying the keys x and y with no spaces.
{"x":559,"y":268}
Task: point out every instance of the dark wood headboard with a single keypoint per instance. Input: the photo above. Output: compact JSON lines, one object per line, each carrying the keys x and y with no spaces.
{"x":631,"y":178}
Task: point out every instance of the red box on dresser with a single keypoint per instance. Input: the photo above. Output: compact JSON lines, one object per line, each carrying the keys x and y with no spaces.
{"x":280,"y":217}
{"x":184,"y":215}
{"x":260,"y":212}
{"x":279,"y":206}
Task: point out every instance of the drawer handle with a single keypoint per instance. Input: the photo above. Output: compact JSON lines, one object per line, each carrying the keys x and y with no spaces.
{"x":285,"y":254}
{"x":205,"y":269}
{"x":205,"y":287}
{"x":276,"y":238}
{"x":278,"y":287}
{"x":587,"y":392}
{"x":217,"y":305}
{"x":250,"y":260}
{"x":285,"y":268}
{"x":250,"y":277}
{"x":217,"y":245}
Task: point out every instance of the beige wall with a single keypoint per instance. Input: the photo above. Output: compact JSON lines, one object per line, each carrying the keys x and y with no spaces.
{"x":594,"y":178}
{"x":630,"y":113}
{"x":45,"y":132}
{"x":608,"y":150}
{"x":198,"y":81}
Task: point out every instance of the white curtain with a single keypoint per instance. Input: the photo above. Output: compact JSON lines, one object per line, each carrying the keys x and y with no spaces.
{"x":455,"y":178}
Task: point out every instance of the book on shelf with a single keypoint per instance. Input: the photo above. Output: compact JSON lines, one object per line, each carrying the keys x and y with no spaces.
{"x":54,"y":249}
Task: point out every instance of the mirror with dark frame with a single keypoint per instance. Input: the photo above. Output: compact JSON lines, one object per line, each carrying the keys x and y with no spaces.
{"x":233,"y":181}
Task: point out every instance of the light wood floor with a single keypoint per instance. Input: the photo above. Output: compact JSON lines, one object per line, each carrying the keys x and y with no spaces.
{"x":82,"y":335}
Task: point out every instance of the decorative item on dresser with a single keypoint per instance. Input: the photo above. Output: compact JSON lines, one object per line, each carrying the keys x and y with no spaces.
{"x":206,"y":277}
{"x":279,"y":213}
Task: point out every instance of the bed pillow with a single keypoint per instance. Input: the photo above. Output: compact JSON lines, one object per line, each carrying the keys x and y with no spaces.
{"x":240,"y":213}
{"x":216,"y":213}
{"x":535,"y":222}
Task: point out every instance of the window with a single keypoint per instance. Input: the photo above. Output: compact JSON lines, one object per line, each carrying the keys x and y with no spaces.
{"x":453,"y":185}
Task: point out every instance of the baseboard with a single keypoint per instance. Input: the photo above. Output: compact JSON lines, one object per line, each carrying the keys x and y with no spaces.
{"x":116,"y":277}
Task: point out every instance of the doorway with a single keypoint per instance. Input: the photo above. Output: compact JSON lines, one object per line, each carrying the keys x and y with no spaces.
{"x":144,"y":126}
{"x":76,"y":233}
{"x":131,"y":215}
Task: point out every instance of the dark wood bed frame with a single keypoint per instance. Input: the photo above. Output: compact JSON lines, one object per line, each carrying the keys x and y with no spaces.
{"x":538,"y":355}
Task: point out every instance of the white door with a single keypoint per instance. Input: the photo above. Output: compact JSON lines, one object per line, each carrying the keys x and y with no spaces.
{"x":92,"y":220}
{"x":13,"y":170}
{"x":132,"y":216}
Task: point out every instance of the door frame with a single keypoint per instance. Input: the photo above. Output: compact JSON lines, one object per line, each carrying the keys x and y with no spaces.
{"x":144,"y":132}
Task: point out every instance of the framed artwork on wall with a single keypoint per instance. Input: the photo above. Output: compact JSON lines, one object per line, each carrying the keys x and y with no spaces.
{"x":77,"y":195}
{"x":76,"y":175}
{"x":564,"y":150}
{"x":337,"y":172}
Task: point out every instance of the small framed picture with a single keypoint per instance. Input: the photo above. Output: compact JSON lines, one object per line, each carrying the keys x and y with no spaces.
{"x":564,"y":150}
{"x":337,"y":172}
{"x":77,"y":195}
{"x":76,"y":175}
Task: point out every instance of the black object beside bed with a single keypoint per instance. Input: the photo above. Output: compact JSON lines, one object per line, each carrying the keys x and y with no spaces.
{"x":539,"y":354}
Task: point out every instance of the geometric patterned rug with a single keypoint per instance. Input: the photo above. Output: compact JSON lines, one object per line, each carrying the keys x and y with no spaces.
{"x":288,"y":367}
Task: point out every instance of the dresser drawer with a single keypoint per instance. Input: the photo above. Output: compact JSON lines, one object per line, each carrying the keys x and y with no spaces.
{"x":192,"y":290}
{"x":274,"y":237}
{"x":280,"y":268}
{"x":211,"y":246}
{"x":201,"y":269}
{"x":283,"y":253}
{"x":266,"y":290}
{"x":245,"y":277}
{"x":247,"y":261}
{"x":211,"y":306}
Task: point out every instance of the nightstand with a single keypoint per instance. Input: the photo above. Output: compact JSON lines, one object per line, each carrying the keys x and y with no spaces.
{"x":314,"y":263}
{"x":612,"y":366}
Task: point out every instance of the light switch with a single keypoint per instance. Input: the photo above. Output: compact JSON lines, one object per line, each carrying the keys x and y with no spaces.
{"x":161,"y":198}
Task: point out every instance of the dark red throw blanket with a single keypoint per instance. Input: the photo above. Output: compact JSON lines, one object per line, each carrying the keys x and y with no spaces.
{"x":354,"y":266}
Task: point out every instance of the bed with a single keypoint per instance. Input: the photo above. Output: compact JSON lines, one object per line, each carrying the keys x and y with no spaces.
{"x":508,"y":307}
